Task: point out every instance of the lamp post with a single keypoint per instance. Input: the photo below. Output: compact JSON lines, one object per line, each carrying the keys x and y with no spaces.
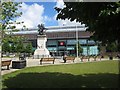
{"x":76,"y":42}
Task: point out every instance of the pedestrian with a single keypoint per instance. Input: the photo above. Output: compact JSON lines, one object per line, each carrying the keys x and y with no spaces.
{"x":64,"y":58}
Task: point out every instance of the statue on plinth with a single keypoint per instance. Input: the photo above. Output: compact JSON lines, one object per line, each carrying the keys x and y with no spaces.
{"x":41,"y":29}
{"x":41,"y":50}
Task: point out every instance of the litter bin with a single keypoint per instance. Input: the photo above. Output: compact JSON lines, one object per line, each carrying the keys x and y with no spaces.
{"x":111,"y":58}
{"x":19,"y":64}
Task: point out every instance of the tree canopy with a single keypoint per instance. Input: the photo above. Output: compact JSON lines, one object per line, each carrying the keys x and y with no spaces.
{"x":111,"y":47}
{"x":9,"y":11}
{"x":100,"y":18}
{"x":12,"y":44}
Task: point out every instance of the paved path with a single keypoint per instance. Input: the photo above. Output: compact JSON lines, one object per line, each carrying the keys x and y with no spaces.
{"x":36,"y":62}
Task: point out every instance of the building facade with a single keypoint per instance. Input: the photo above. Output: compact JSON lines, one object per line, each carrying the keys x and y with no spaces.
{"x":62,"y":40}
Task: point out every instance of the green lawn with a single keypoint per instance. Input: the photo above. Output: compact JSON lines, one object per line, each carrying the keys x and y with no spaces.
{"x":0,"y":86}
{"x":102,"y":74}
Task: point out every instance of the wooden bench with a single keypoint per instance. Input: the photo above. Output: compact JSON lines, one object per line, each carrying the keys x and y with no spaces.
{"x":97,"y":57}
{"x":47,"y":59}
{"x":68,"y":58}
{"x":85,"y":57}
{"x":6,"y":63}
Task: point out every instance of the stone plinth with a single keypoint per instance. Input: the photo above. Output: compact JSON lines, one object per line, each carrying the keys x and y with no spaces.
{"x":41,"y":50}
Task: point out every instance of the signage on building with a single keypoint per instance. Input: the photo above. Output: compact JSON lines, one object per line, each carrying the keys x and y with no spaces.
{"x":61,"y":43}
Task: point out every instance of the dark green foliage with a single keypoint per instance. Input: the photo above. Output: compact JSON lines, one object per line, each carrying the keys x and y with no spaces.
{"x":13,"y":48}
{"x":101,"y":18}
{"x":80,"y":49}
{"x":119,"y":47}
{"x":6,"y":47}
{"x":111,"y":47}
{"x":20,"y":47}
{"x":28,"y":48}
{"x":9,"y":11}
{"x":99,"y":48}
{"x":13,"y":44}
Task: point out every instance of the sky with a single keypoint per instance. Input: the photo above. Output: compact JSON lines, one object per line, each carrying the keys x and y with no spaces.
{"x":35,"y":13}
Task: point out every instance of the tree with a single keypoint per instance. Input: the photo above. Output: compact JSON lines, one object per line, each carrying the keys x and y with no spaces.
{"x":9,"y":12}
{"x":100,"y":18}
{"x":20,"y":47}
{"x":29,"y":48}
{"x":13,"y":47}
{"x":99,"y":48}
{"x":6,"y":47}
{"x":80,"y":49}
{"x":111,"y":47}
{"x":13,"y":44}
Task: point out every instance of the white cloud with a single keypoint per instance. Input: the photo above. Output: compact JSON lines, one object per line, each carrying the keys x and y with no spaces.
{"x":32,"y":15}
{"x":66,"y":22}
{"x":60,"y":4}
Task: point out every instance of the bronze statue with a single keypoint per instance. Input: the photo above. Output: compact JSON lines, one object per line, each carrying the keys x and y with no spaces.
{"x":41,"y":29}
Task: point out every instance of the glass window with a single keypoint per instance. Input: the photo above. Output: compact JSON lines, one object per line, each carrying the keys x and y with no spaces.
{"x":51,"y":42}
{"x":61,"y":47}
{"x":83,"y":41}
{"x":70,"y":48}
{"x":91,"y":42}
{"x":84,"y":50}
{"x":93,"y":50}
{"x":71,"y":42}
{"x":52,"y":48}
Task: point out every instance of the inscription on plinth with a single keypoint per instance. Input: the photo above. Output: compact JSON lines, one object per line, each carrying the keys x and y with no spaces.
{"x":41,"y":50}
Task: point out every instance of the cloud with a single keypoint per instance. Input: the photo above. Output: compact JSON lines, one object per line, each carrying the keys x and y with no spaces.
{"x":66,"y":22}
{"x":60,"y":4}
{"x":32,"y":15}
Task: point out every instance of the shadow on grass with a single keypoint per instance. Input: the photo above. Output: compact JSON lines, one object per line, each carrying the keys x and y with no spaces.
{"x":61,"y":80}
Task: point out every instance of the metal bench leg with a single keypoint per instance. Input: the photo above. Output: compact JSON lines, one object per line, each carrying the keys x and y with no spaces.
{"x":7,"y":67}
{"x":40,"y":62}
{"x":64,"y":61}
{"x":94,"y":59}
{"x":53,"y":61}
{"x":88,"y":59}
{"x":81,"y":60}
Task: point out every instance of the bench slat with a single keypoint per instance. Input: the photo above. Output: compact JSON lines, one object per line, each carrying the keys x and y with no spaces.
{"x":47,"y":59}
{"x":85,"y":57}
{"x":88,"y":57}
{"x":68,"y":58}
{"x":6,"y":63}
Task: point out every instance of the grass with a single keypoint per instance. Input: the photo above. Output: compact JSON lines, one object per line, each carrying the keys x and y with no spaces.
{"x":102,"y":74}
{"x":0,"y":84}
